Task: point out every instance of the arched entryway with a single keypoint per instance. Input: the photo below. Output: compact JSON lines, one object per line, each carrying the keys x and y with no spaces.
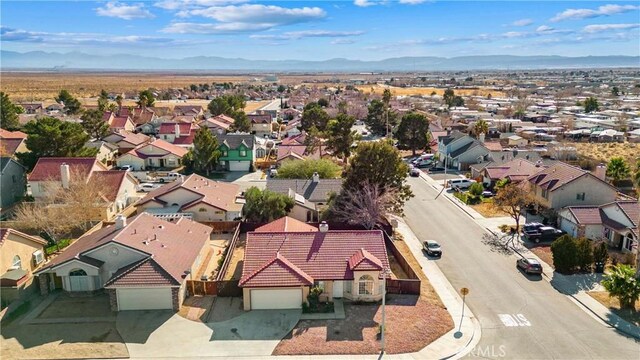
{"x":78,"y":280}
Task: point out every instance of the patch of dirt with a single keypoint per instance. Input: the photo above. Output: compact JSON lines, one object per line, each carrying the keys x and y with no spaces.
{"x":411,"y":321}
{"x":612,"y":303}
{"x":543,"y":252}
{"x":487,"y":209}
{"x":396,"y":270}
{"x":427,"y":292}
{"x":196,"y":308}
{"x":71,"y":307}
{"x":71,"y":341}
{"x":234,"y":272}
{"x":599,"y":152}
{"x":398,"y":91}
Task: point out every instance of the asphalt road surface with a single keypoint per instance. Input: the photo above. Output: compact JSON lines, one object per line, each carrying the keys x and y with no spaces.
{"x":522,"y":317}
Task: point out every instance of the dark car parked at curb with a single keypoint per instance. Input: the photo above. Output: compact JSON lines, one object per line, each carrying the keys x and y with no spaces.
{"x":432,"y":248}
{"x":529,"y":265}
{"x":545,"y":233}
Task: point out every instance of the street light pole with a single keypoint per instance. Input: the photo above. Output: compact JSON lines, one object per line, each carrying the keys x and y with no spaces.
{"x":385,"y":272}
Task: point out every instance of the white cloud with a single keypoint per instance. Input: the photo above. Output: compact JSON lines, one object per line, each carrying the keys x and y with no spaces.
{"x":591,"y":29}
{"x":295,"y":35}
{"x":190,"y":4}
{"x":412,"y":2}
{"x":242,"y":18}
{"x":63,"y":38}
{"x":544,"y":28}
{"x":342,"y":42}
{"x":522,"y":22}
{"x":367,"y":3}
{"x":604,"y":10}
{"x":124,"y":11}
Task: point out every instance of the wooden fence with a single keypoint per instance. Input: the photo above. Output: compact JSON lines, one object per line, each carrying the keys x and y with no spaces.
{"x":229,"y":254}
{"x":404,"y":264}
{"x":222,"y":288}
{"x":404,"y":286}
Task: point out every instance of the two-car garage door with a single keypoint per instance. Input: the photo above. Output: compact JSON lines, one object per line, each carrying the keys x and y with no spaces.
{"x":276,"y":299}
{"x":144,"y":298}
{"x":239,"y":165}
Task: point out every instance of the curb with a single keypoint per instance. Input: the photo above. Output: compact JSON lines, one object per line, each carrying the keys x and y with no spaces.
{"x":455,"y":202}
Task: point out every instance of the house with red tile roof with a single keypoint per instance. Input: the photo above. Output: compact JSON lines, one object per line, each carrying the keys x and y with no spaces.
{"x":280,"y":267}
{"x":180,"y":134}
{"x":118,"y":188}
{"x":286,"y":224}
{"x":615,"y":222}
{"x":118,"y":122}
{"x":562,"y":185}
{"x":126,"y":140}
{"x":142,"y":262}
{"x":197,"y":197}
{"x":156,"y":154}
{"x":294,"y":148}
{"x":217,"y":125}
{"x":12,"y":142}
{"x":515,"y":171}
{"x":20,"y":255}
{"x":260,"y":124}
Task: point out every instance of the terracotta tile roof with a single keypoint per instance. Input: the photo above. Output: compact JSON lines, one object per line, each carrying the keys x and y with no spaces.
{"x":170,"y":128}
{"x":4,"y":234}
{"x":48,"y":168}
{"x":363,"y":260}
{"x":215,"y":123}
{"x":174,"y":246}
{"x":299,"y":152}
{"x":6,"y":134}
{"x":223,"y":118}
{"x":278,"y":271}
{"x":260,"y":119}
{"x":323,"y":256}
{"x":557,"y":175}
{"x":119,"y":122}
{"x":133,"y":138}
{"x":632,"y":210}
{"x":8,"y":147}
{"x":110,"y":180}
{"x":586,"y":215}
{"x":221,"y":195}
{"x":515,"y":168}
{"x":312,"y":191}
{"x":286,"y":224}
{"x":493,"y":146}
{"x":160,"y":144}
{"x":146,"y":272}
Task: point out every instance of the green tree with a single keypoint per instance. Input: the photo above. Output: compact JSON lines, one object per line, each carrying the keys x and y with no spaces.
{"x":314,"y":116}
{"x":379,"y":164}
{"x":312,"y":140}
{"x":304,"y":169}
{"x":481,"y":127}
{"x":104,"y":94}
{"x":448,"y":96}
{"x":563,"y":251}
{"x":94,"y":125}
{"x":618,"y":169}
{"x":413,"y":132}
{"x":323,"y":102}
{"x":263,"y":206}
{"x":281,"y":88}
{"x":145,"y":99}
{"x":377,"y":118}
{"x":241,"y":121}
{"x":205,"y":154}
{"x":340,"y":137}
{"x":8,"y":113}
{"x":476,"y":189}
{"x":615,"y":91}
{"x":51,"y":137}
{"x":71,"y":104}
{"x":623,"y":283}
{"x":119,"y":100}
{"x":227,"y":104}
{"x":591,"y":104}
{"x":636,"y":175}
{"x":584,"y":254}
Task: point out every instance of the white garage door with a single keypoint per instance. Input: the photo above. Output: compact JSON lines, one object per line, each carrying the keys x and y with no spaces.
{"x":144,"y":299}
{"x":239,"y":165}
{"x":276,"y":299}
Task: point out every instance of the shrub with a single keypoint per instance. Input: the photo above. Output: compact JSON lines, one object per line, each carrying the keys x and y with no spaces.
{"x":623,"y":284}
{"x":476,"y":189}
{"x":564,"y":251}
{"x":584,"y":254}
{"x":600,"y":252}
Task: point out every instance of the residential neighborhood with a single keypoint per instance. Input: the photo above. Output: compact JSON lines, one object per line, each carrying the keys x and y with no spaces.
{"x":246,"y":179}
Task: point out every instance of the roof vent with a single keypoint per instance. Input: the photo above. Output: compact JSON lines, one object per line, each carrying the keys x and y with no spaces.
{"x":121,"y":221}
{"x":324,"y":227}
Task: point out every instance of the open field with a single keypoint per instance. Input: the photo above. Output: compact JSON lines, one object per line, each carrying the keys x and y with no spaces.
{"x":398,"y":91}
{"x":604,"y":152}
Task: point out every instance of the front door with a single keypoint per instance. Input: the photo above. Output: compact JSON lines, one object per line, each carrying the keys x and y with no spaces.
{"x":161,"y":161}
{"x":78,"y":280}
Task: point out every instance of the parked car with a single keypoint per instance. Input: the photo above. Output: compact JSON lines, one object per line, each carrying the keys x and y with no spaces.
{"x":460,"y":184}
{"x":415,"y":172}
{"x":432,"y":248}
{"x":147,"y":187}
{"x":545,"y":233}
{"x":531,"y":228}
{"x":529,"y":265}
{"x":172,"y":176}
{"x":123,"y":167}
{"x":487,"y":194}
{"x":436,"y":169}
{"x":273,"y":173}
{"x":423,"y":164}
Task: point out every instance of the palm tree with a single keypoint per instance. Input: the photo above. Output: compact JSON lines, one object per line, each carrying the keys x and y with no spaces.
{"x":617,"y":169}
{"x":119,"y":102}
{"x":481,"y":127}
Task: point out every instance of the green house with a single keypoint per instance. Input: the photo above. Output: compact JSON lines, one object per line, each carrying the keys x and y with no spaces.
{"x":237,"y":151}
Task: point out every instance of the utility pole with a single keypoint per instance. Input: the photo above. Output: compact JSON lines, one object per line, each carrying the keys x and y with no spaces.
{"x":385,"y":272}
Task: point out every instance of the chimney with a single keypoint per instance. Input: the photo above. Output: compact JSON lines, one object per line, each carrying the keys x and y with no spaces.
{"x":177,"y":127}
{"x":316,"y":177}
{"x":121,"y":221}
{"x":481,"y":137}
{"x":65,"y":175}
{"x":600,"y":172}
{"x":324,"y":227}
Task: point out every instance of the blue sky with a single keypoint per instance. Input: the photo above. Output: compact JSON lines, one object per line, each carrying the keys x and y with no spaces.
{"x":356,"y":29}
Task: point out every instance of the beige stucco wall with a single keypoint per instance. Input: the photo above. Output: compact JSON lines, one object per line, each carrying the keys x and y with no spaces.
{"x":377,"y":293}
{"x":17,"y":245}
{"x":206,"y":213}
{"x":596,"y":193}
{"x":179,"y":196}
{"x":113,"y":262}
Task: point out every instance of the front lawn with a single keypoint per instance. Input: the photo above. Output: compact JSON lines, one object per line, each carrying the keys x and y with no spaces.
{"x":412,"y":323}
{"x":612,"y":303}
{"x":542,"y":251}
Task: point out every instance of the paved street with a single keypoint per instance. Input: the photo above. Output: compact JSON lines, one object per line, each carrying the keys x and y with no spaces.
{"x":521,"y":317}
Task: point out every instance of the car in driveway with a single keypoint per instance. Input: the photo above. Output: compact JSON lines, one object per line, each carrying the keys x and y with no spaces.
{"x":529,"y":265}
{"x":147,"y":187}
{"x":432,"y":248}
{"x":545,"y":233}
{"x":460,"y":184}
{"x":436,"y":169}
{"x":531,"y":227}
{"x":415,"y":172}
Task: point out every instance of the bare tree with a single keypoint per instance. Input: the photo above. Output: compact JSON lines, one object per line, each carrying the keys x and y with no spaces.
{"x":366,"y":205}
{"x":513,"y":199}
{"x":62,"y":211}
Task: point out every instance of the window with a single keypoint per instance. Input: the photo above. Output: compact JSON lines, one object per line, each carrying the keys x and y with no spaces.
{"x":225,"y":153}
{"x":243,"y":153}
{"x":580,"y":196}
{"x":629,"y":244}
{"x":16,"y":263}
{"x":202,"y":210}
{"x":77,"y":272}
{"x":365,"y":285}
{"x":545,"y":194}
{"x":218,"y":212}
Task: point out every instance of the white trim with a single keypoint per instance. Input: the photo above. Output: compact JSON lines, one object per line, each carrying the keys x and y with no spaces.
{"x":115,"y":243}
{"x":72,"y":260}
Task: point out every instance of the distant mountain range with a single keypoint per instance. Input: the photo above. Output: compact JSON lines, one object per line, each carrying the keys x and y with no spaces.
{"x":76,"y":60}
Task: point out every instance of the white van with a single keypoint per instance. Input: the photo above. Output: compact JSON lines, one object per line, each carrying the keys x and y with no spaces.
{"x":460,"y":183}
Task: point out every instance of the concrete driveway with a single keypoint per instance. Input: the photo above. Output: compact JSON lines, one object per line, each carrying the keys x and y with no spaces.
{"x":155,"y":334}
